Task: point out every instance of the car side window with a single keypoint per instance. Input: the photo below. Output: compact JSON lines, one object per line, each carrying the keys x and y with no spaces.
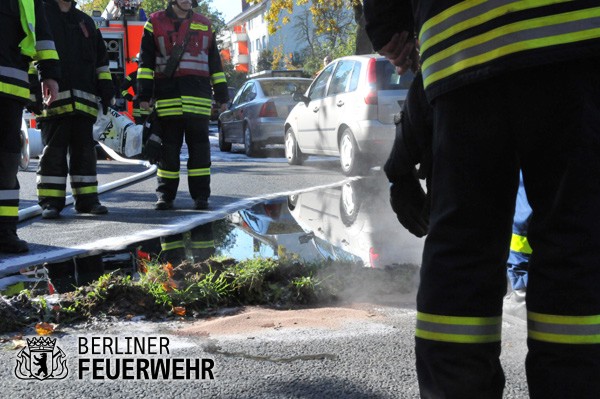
{"x":319,"y":87}
{"x":238,"y":97}
{"x":341,"y":77}
{"x":355,"y":76}
{"x":248,"y":94}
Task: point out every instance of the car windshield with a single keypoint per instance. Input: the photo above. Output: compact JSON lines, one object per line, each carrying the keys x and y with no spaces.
{"x":388,"y":79}
{"x":278,"y":88}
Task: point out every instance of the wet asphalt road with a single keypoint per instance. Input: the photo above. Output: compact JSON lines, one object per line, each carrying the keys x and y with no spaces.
{"x":369,"y":357}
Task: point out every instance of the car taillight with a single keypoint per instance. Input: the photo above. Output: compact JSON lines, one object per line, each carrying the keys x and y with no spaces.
{"x":373,"y":257}
{"x":268,"y":110}
{"x":371,"y":97}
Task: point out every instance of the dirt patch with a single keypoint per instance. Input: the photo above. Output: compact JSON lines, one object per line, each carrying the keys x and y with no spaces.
{"x":255,"y":319}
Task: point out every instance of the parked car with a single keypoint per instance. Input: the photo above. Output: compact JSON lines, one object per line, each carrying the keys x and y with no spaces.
{"x":216,"y":109}
{"x":257,"y":113}
{"x":348,"y":111}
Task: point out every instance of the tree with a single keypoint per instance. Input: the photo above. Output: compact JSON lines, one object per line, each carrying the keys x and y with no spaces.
{"x":265,"y":60}
{"x":324,"y":17}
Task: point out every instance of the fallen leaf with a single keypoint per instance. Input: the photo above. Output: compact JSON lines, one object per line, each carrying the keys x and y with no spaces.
{"x":179,"y":310}
{"x":44,"y":328}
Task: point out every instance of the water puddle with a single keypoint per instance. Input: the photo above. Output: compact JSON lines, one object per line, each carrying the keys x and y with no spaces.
{"x":351,"y":223}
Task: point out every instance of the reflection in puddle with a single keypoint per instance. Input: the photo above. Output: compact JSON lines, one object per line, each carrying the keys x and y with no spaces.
{"x":351,"y":223}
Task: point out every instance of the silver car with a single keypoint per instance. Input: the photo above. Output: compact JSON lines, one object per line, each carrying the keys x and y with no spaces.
{"x":257,"y":113}
{"x":348,"y":111}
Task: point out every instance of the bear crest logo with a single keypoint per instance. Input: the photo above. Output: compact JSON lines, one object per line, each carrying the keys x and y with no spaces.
{"x":41,"y":360}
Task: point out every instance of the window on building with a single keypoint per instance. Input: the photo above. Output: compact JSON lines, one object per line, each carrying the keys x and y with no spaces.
{"x":257,"y":44}
{"x":264,"y":42}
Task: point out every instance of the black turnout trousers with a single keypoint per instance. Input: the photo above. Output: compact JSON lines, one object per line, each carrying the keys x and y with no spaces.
{"x":545,"y":120}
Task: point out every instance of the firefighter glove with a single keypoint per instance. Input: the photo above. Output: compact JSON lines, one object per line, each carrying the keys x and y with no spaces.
{"x":410,"y":203}
{"x":152,"y":149}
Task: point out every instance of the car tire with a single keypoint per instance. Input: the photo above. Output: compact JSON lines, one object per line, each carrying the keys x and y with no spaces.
{"x":350,"y":158}
{"x":250,"y":148}
{"x":223,"y":146}
{"x":292,"y":151}
{"x":349,"y":204}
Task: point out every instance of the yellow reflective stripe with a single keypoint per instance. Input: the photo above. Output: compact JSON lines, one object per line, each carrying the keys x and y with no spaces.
{"x":477,"y":13}
{"x":58,"y":110}
{"x":148,"y":27}
{"x":458,"y":56}
{"x":44,"y":55}
{"x":124,"y":93}
{"x":12,"y":211}
{"x":104,"y":76}
{"x":520,"y":244}
{"x":166,"y":246}
{"x":145,"y":73}
{"x":169,"y":102}
{"x":27,"y":16}
{"x":14,"y":90}
{"x":197,"y":26}
{"x":196,"y":110}
{"x":166,"y":174}
{"x":85,"y":190}
{"x":199,"y":172}
{"x":87,"y":109}
{"x":203,"y":244}
{"x":218,"y":78}
{"x":466,"y":330}
{"x":196,"y":100}
{"x":173,"y":112}
{"x":564,"y":329}
{"x":46,"y":192}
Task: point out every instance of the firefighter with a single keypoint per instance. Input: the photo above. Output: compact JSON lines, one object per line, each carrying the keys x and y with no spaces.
{"x":491,"y":72}
{"x":67,"y":124}
{"x":139,"y":115}
{"x":179,"y":62}
{"x":25,"y":37}
{"x":196,"y":245}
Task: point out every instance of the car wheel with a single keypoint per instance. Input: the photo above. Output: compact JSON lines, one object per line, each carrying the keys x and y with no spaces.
{"x":349,"y":154}
{"x":349,"y":204}
{"x":249,"y":146}
{"x":223,"y":146}
{"x":292,"y":151}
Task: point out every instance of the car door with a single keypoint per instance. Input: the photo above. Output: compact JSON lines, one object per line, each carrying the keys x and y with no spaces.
{"x":233,"y":122}
{"x":335,"y":104}
{"x":308,"y":135}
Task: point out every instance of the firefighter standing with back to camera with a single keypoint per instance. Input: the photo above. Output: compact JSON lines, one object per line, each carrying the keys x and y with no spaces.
{"x":25,"y":37}
{"x":67,"y":124}
{"x":183,"y":101}
{"x":512,"y":84}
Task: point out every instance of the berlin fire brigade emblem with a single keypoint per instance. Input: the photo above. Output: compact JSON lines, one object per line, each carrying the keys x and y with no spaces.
{"x":41,"y":360}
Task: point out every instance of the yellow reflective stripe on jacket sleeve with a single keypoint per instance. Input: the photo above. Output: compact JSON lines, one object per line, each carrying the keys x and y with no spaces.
{"x":520,"y":244}
{"x":145,"y":73}
{"x":166,"y":174}
{"x":10,"y":211}
{"x":44,"y":55}
{"x":17,"y":91}
{"x":104,"y":76}
{"x":148,"y":26}
{"x":471,"y":13}
{"x":564,"y":329}
{"x":203,"y":244}
{"x":523,"y":35}
{"x":218,"y":77}
{"x":464,"y":330}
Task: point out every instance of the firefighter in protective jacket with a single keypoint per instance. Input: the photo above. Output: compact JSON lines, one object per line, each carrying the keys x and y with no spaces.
{"x":130,"y":81}
{"x":25,"y":37}
{"x":180,"y":67}
{"x":67,"y":124}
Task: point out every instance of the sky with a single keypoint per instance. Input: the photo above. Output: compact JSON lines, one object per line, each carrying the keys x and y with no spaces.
{"x":229,"y":8}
